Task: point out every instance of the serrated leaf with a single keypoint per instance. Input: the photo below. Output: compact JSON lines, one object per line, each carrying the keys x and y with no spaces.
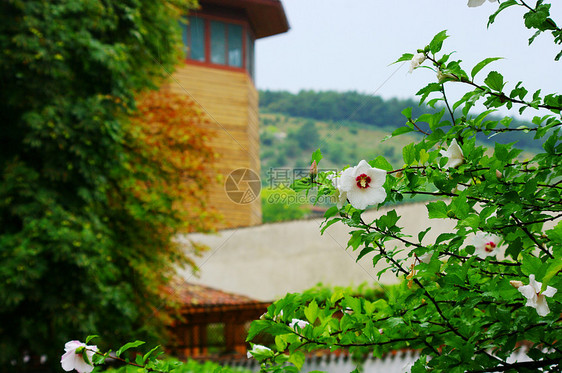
{"x":437,"y":210}
{"x":494,"y":81}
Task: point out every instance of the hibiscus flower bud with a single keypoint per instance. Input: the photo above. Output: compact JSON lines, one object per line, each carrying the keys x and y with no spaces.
{"x":443,"y":77}
{"x":499,"y":174}
{"x":516,"y":284}
{"x":416,"y":61}
{"x":313,"y":169}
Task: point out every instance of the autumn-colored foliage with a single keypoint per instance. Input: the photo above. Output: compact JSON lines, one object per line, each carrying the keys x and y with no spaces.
{"x":174,"y":133}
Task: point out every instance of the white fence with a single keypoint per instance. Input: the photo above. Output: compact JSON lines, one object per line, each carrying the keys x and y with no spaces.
{"x":392,"y":363}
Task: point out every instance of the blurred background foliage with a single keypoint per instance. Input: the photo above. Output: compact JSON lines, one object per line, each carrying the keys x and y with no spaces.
{"x":89,"y":200}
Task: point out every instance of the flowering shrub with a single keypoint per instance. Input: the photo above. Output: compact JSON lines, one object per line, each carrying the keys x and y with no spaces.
{"x":471,"y":296}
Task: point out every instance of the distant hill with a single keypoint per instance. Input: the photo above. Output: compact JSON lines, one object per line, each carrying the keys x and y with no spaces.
{"x":347,"y":127}
{"x":353,"y":107}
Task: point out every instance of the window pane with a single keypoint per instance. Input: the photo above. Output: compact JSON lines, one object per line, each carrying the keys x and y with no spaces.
{"x":235,"y":45}
{"x":197,"y":36}
{"x":218,"y":43}
{"x":250,"y":55}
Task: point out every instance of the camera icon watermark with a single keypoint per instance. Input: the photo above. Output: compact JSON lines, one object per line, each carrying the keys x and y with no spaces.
{"x":243,"y":186}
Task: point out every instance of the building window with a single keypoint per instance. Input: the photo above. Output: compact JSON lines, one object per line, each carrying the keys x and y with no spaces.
{"x":235,"y":45}
{"x":219,"y":43}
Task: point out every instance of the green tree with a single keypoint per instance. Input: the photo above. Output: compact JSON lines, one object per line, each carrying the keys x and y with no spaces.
{"x":472,"y":296}
{"x":79,"y":250}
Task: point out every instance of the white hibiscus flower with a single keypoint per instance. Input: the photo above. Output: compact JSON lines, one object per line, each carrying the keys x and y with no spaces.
{"x":454,"y":155}
{"x":536,"y":298}
{"x":475,"y":3}
{"x":72,"y":360}
{"x":298,"y":322}
{"x":363,"y":185}
{"x":257,"y":349}
{"x":486,"y":244}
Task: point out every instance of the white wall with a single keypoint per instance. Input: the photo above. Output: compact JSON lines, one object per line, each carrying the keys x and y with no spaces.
{"x":266,"y":262}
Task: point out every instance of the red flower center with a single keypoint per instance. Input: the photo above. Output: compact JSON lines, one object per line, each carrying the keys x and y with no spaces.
{"x":489,"y":247}
{"x":363,"y":181}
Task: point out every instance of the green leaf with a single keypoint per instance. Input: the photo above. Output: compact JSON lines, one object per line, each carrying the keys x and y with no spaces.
{"x":409,"y":154}
{"x":401,"y":130}
{"x":531,"y":265}
{"x":297,"y":358}
{"x":480,"y":65}
{"x":494,"y":81}
{"x":316,"y":156}
{"x":502,"y":6}
{"x":127,"y":346}
{"x":90,"y":337}
{"x":551,"y":271}
{"x":332,"y":211}
{"x":407,"y":112}
{"x":382,"y":163}
{"x":147,"y":355}
{"x":355,"y":240}
{"x":437,"y":42}
{"x":437,"y":210}
{"x":311,"y":312}
{"x":256,"y":327}
{"x":404,"y":57}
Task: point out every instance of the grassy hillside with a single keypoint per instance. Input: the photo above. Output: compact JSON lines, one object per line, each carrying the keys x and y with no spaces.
{"x":292,"y":126}
{"x":287,"y":142}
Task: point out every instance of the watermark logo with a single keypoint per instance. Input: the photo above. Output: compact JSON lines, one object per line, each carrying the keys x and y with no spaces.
{"x":243,"y":186}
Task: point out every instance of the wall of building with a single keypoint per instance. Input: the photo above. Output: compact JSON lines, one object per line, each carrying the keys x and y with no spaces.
{"x":265,"y":262}
{"x":230,"y":100}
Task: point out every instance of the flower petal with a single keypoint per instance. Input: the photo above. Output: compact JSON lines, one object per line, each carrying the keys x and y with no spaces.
{"x":528,"y":292}
{"x":542,"y":306}
{"x":475,"y":3}
{"x":378,"y":177}
{"x":346,"y":181}
{"x":67,"y":360}
{"x":73,"y":345}
{"x":535,"y":284}
{"x":549,"y":292}
{"x":361,"y":198}
{"x":362,"y":168}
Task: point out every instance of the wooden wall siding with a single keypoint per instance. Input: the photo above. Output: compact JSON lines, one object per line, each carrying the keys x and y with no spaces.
{"x":231,"y":100}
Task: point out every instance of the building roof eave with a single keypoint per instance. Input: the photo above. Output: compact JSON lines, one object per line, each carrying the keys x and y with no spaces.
{"x":266,"y":17}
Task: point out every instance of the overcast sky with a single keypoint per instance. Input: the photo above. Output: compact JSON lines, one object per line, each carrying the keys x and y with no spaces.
{"x":349,"y":45}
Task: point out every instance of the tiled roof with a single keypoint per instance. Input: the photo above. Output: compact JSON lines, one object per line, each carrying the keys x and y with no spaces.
{"x":203,"y":296}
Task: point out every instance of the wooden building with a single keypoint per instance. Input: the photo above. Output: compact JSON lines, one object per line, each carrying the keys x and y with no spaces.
{"x":214,"y":323}
{"x":219,"y":75}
